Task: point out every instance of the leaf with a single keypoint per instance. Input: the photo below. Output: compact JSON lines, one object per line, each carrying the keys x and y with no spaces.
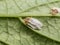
{"x":15,"y":8}
{"x":51,"y":27}
{"x":3,"y":43}
{"x":13,"y":32}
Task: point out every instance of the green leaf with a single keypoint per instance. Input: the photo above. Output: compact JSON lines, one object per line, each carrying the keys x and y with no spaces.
{"x":51,"y":27}
{"x":15,"y":8}
{"x":13,"y":32}
{"x":3,"y":43}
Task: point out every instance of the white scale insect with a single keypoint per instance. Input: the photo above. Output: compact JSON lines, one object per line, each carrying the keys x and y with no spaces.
{"x":33,"y":23}
{"x":55,"y":10}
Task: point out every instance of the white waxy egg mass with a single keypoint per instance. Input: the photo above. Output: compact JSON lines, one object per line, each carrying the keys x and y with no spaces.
{"x":34,"y":23}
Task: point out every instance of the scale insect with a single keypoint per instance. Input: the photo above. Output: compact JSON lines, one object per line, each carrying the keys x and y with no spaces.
{"x":33,"y":23}
{"x":55,"y":10}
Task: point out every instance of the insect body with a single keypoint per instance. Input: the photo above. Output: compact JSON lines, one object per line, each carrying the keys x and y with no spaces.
{"x":33,"y":23}
{"x":55,"y":10}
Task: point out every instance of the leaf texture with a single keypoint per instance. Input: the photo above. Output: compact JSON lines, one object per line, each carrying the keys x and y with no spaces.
{"x":13,"y":32}
{"x":51,"y":27}
{"x":27,"y":7}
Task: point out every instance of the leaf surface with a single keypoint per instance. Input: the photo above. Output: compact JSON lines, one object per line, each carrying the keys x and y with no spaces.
{"x":15,"y":8}
{"x":13,"y":32}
